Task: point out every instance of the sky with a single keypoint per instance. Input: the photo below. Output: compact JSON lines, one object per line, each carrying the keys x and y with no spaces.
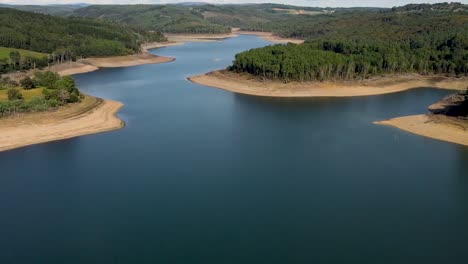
{"x":317,"y":3}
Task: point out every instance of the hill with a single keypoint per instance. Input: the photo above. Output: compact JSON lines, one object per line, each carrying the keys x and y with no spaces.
{"x":58,"y":10}
{"x":64,"y":38}
{"x":202,"y":18}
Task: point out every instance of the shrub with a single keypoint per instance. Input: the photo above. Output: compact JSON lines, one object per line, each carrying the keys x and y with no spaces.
{"x":47,"y":79}
{"x":74,"y":98}
{"x":14,"y":94}
{"x":27,"y":83}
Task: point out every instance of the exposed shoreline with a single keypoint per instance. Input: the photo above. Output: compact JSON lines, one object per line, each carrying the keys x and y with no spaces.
{"x":269,"y":36}
{"x":93,"y":115}
{"x":94,"y":64}
{"x":438,"y":127}
{"x":250,"y":85}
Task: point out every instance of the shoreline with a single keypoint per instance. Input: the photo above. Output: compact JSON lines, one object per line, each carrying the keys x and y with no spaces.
{"x":95,"y":63}
{"x":93,"y":115}
{"x":268,"y":36}
{"x":438,"y":127}
{"x":250,"y":85}
{"x":182,"y":38}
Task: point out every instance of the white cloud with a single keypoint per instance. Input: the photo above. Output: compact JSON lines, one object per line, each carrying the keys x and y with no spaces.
{"x":319,"y":3}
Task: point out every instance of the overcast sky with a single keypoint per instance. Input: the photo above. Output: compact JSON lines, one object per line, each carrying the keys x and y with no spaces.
{"x":319,"y":3}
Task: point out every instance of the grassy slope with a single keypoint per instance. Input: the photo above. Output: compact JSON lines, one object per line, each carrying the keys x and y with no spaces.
{"x":27,"y":94}
{"x":5,"y":53}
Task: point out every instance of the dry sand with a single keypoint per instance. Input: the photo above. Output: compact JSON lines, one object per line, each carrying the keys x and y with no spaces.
{"x":181,"y":38}
{"x":433,"y":126}
{"x":126,"y":61}
{"x":93,"y":64}
{"x":156,"y":45}
{"x":92,"y":115}
{"x":269,"y":36}
{"x":248,"y":84}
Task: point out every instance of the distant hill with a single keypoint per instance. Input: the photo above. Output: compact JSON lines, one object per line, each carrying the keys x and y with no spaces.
{"x":439,"y":7}
{"x":69,"y":37}
{"x":196,"y":17}
{"x":58,"y":9}
{"x":192,"y":17}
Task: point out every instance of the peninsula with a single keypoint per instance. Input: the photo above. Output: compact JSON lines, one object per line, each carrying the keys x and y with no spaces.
{"x":250,"y":85}
{"x":447,"y":120}
{"x":92,"y":115}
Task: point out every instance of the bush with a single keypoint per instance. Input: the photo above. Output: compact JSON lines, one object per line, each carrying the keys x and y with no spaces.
{"x":14,"y":94}
{"x":27,"y":83}
{"x":74,"y":98}
{"x":47,"y":79}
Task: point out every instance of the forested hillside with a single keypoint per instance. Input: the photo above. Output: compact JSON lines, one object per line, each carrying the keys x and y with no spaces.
{"x":201,"y":18}
{"x":166,"y":18}
{"x":65,"y":38}
{"x":57,"y":10}
{"x":197,"y":18}
{"x":362,"y":44}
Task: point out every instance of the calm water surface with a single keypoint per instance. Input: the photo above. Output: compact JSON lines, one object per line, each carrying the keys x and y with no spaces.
{"x":201,"y":175}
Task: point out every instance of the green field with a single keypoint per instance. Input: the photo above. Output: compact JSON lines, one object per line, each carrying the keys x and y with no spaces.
{"x":5,"y":53}
{"x":27,"y":94}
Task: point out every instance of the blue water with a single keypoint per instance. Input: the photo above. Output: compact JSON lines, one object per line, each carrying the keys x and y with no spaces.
{"x":202,"y":175}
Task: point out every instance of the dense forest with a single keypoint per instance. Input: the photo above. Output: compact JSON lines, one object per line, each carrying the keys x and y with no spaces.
{"x":46,"y":90}
{"x":65,"y":38}
{"x":362,"y":44}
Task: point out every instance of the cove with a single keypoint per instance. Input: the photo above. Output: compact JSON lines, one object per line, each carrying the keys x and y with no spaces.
{"x":202,"y":175}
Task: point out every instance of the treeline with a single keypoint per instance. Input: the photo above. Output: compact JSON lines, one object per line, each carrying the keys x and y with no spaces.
{"x":344,"y":60}
{"x":69,"y":38}
{"x":56,"y":91}
{"x":381,"y":43}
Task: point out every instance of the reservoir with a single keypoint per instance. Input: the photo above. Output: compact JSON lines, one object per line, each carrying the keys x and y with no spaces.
{"x":202,"y":175}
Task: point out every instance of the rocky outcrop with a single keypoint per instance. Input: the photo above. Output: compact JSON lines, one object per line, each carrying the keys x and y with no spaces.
{"x":452,"y":105}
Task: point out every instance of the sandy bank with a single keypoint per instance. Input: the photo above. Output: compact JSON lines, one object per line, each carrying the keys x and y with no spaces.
{"x":92,"y":115}
{"x":181,"y":38}
{"x":438,"y":127}
{"x":126,"y":61}
{"x":248,"y":84}
{"x":93,"y":64}
{"x":156,"y":45}
{"x":269,"y":36}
